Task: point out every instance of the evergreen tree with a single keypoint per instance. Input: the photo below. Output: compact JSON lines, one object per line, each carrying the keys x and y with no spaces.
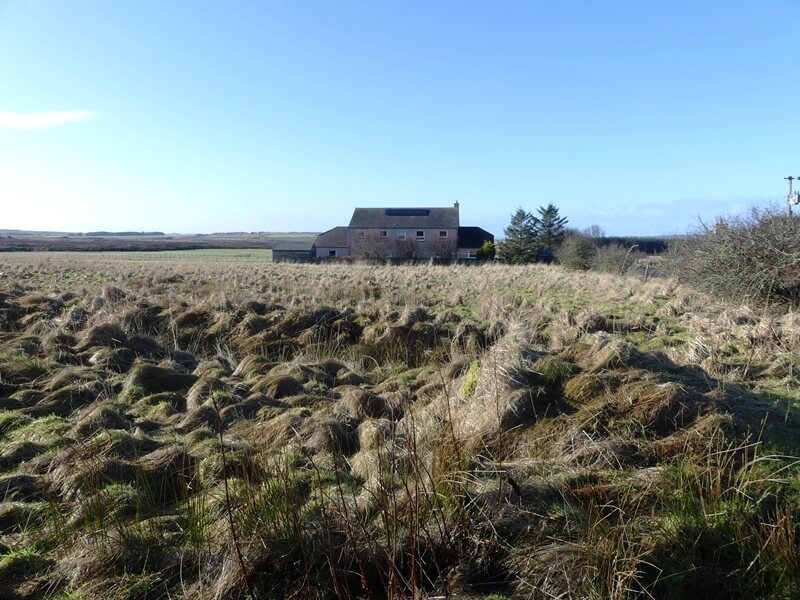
{"x":550,"y":227}
{"x":521,"y":240}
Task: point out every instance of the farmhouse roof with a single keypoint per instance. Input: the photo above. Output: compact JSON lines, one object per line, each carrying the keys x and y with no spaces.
{"x":405,"y":218}
{"x":473,"y":237}
{"x":333,"y":238}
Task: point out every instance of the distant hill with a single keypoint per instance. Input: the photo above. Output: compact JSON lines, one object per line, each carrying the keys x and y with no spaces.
{"x":14,"y":240}
{"x":122,"y":233}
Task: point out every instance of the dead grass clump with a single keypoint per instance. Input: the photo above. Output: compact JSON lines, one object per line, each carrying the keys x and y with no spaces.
{"x":192,"y":318}
{"x":297,"y":321}
{"x":328,"y":435}
{"x":16,"y":517}
{"x":346,"y":377}
{"x":360,"y":404}
{"x":585,"y":388}
{"x":15,"y":453}
{"x":70,"y":375}
{"x":255,"y":307}
{"x":694,"y":440}
{"x":118,"y":360}
{"x":99,"y":419}
{"x":308,"y":375}
{"x":467,"y":340}
{"x":524,"y":407}
{"x":603,"y":353}
{"x":150,"y":379}
{"x":252,"y":367}
{"x":202,"y":391}
{"x":113,"y":503}
{"x":58,"y":345}
{"x":374,"y":433}
{"x":279,"y":386}
{"x":48,"y":306}
{"x":174,"y":400}
{"x":249,"y":408}
{"x":215,"y":367}
{"x":18,"y":571}
{"x":109,"y":335}
{"x":606,"y":454}
{"x":168,"y":473}
{"x":64,"y":401}
{"x":145,"y":318}
{"x":75,"y":319}
{"x":22,"y":370}
{"x":145,"y":346}
{"x":251,"y":325}
{"x":22,"y":488}
{"x":74,"y":482}
{"x":661,"y":408}
{"x":11,"y":420}
{"x":277,"y":431}
{"x":112,"y":294}
{"x":203,"y":415}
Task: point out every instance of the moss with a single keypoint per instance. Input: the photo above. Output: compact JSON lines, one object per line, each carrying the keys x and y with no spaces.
{"x":470,"y":379}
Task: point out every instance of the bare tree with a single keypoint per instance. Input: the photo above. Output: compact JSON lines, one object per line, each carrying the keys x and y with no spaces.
{"x":443,"y":249}
{"x":406,"y":249}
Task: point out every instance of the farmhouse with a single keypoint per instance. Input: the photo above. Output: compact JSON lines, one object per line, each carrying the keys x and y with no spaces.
{"x":403,"y":233}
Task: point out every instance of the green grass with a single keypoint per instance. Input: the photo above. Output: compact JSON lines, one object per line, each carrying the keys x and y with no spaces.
{"x":204,"y":254}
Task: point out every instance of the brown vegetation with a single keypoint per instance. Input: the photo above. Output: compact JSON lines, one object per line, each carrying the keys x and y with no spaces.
{"x":209,"y":431}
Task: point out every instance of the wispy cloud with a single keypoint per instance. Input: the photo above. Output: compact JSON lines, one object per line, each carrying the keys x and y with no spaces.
{"x":44,"y":119}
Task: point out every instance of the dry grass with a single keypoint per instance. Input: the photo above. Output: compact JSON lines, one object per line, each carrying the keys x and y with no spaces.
{"x":197,"y":430}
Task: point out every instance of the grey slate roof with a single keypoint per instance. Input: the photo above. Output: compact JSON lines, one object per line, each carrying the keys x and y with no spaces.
{"x":333,"y":238}
{"x":293,"y":246}
{"x":405,"y":218}
{"x":473,"y":237}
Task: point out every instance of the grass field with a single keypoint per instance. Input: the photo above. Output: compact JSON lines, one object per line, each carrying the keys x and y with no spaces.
{"x":229,"y":428}
{"x":204,"y":255}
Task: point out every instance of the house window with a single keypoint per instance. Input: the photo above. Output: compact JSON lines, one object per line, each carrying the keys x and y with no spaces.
{"x":331,"y":252}
{"x":384,"y":234}
{"x":401,"y":235}
{"x":420,"y":235}
{"x":362,"y":235}
{"x":442,"y":234}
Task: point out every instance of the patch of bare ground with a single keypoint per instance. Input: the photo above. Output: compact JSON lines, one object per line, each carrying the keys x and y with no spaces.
{"x":292,"y":431}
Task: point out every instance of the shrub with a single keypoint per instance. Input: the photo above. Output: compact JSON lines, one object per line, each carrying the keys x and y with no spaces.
{"x":616,"y":258}
{"x":577,"y":252}
{"x":753,"y":257}
{"x":487,"y":251}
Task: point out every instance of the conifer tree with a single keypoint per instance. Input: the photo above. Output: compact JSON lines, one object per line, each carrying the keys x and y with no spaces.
{"x":521,"y":240}
{"x":550,"y":227}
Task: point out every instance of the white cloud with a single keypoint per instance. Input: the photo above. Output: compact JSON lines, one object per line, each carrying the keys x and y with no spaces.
{"x":41,"y":120}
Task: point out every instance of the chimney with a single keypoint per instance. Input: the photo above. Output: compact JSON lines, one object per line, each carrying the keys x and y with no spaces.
{"x":455,"y":204}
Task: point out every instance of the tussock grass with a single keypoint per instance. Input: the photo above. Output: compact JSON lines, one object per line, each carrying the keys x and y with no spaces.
{"x":319,"y":431}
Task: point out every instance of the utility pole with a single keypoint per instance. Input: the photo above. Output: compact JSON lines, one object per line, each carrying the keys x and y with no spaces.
{"x":794,"y":197}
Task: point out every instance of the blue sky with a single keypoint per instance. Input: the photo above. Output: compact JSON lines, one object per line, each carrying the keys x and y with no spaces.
{"x":200,"y":117}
